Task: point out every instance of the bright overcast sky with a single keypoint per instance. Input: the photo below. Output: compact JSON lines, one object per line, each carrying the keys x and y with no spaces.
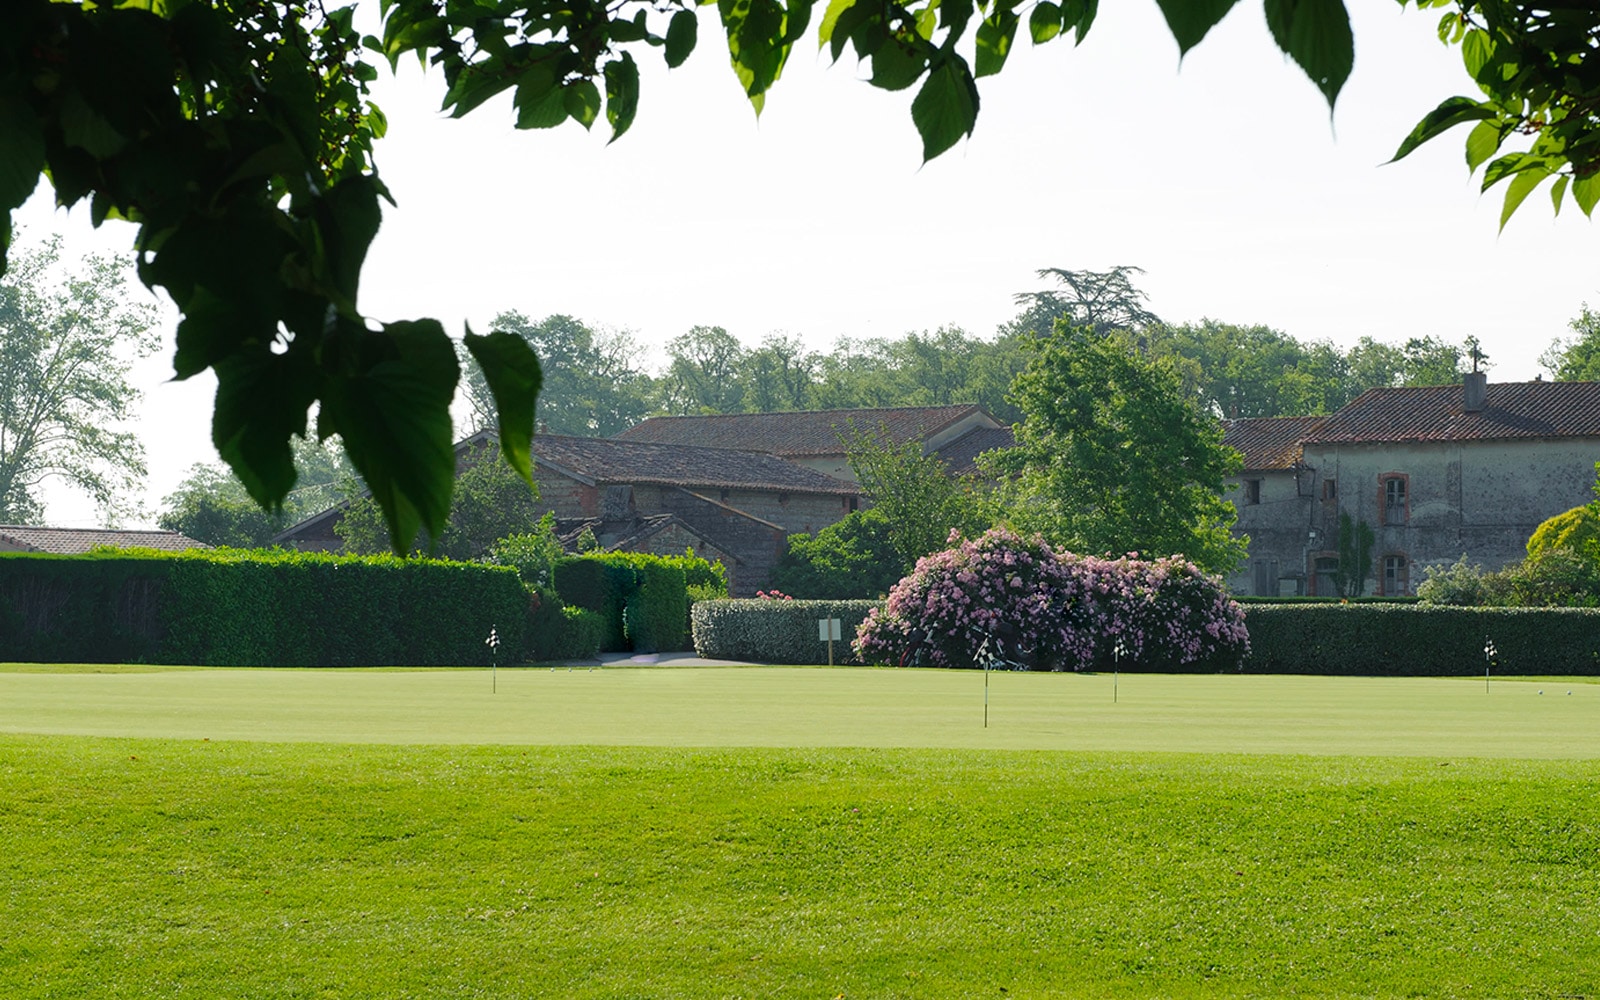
{"x":1225,"y":179}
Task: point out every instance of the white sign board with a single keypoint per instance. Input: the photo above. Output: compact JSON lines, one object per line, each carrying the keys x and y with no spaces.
{"x":828,"y":628}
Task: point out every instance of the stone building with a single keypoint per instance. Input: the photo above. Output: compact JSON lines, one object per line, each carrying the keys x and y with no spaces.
{"x":737,"y":506}
{"x":1432,"y":472}
{"x":816,"y":439}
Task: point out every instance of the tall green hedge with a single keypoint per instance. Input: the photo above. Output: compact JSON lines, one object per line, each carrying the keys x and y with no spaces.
{"x":238,"y":608}
{"x":641,"y":597}
{"x":768,"y":631}
{"x":93,"y":608}
{"x":1420,"y":640}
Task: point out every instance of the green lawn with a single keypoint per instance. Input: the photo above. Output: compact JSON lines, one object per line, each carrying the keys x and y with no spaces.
{"x":814,"y":707}
{"x":794,"y":833}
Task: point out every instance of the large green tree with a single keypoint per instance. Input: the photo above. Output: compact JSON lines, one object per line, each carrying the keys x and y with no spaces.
{"x":918,"y":496}
{"x":594,"y":383}
{"x":237,"y":135}
{"x":68,"y":340}
{"x":1576,"y":358}
{"x":1114,"y":456}
{"x":211,"y":505}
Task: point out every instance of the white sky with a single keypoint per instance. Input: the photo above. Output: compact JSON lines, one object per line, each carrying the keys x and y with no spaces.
{"x":1224,"y":179}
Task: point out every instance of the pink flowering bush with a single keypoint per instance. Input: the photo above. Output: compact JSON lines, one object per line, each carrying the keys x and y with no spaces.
{"x":1054,"y":610}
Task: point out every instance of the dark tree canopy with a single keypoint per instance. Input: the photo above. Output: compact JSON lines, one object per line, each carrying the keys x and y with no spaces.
{"x":237,"y":135}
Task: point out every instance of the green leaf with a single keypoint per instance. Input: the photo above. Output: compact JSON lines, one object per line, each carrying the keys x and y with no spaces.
{"x":1508,"y":166}
{"x":830,"y":22}
{"x":1044,"y":22}
{"x":1483,"y":142}
{"x":1586,"y":192}
{"x":476,"y":84}
{"x":391,"y":406}
{"x":1080,"y":14}
{"x":995,"y":37}
{"x":1557,"y":190}
{"x":21,"y":154}
{"x":1520,"y":187}
{"x":262,"y":399}
{"x":512,"y":372}
{"x":946,"y":108}
{"x":348,"y":219}
{"x":898,"y":64}
{"x":1190,"y":20}
{"x":1451,"y":112}
{"x":582,"y":100}
{"x":541,"y":101}
{"x":622,"y":93}
{"x":1316,"y":34}
{"x":1477,"y":48}
{"x":682,"y":33}
{"x":757,"y":33}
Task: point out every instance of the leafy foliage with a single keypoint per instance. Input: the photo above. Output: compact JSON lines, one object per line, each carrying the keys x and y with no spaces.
{"x":592,"y":382}
{"x":533,"y":554}
{"x":1099,"y":301}
{"x":923,"y":502}
{"x":1054,"y":610}
{"x":1355,"y":541}
{"x":849,"y":559}
{"x":1576,"y":359}
{"x":68,"y":339}
{"x":238,"y":137}
{"x":1529,"y":60}
{"x":211,"y":505}
{"x":491,"y":501}
{"x":1113,"y":456}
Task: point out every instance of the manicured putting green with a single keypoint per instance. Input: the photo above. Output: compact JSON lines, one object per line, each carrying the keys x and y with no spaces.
{"x":799,"y":707}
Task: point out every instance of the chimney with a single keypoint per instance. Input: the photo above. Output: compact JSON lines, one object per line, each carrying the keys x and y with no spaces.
{"x":1475,"y":390}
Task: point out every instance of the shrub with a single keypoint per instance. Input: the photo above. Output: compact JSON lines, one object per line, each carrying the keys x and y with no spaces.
{"x":533,"y":555}
{"x":853,"y":558}
{"x":1420,"y":640}
{"x":1054,"y":610}
{"x":764,"y":631}
{"x":1462,"y":584}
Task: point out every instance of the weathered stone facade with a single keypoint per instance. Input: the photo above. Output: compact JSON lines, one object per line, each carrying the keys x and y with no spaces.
{"x":1435,"y":473}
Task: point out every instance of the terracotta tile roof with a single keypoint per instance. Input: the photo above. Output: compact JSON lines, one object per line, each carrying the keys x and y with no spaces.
{"x":72,"y":541}
{"x":795,"y":433}
{"x":959,"y":455}
{"x":1269,"y":442}
{"x":609,"y":460}
{"x":1513,"y":410}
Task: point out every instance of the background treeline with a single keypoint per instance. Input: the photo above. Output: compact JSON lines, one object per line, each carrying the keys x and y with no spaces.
{"x":599,"y":381}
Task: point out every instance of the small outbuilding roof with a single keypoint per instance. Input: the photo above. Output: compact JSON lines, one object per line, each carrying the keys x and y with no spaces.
{"x":74,"y":541}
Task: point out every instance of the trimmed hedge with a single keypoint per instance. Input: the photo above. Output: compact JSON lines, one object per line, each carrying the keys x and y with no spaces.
{"x":1372,"y":640}
{"x":561,"y":632}
{"x":92,"y":608}
{"x":767,"y":631}
{"x":641,"y":598}
{"x":1420,"y":640}
{"x":224,"y":607}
